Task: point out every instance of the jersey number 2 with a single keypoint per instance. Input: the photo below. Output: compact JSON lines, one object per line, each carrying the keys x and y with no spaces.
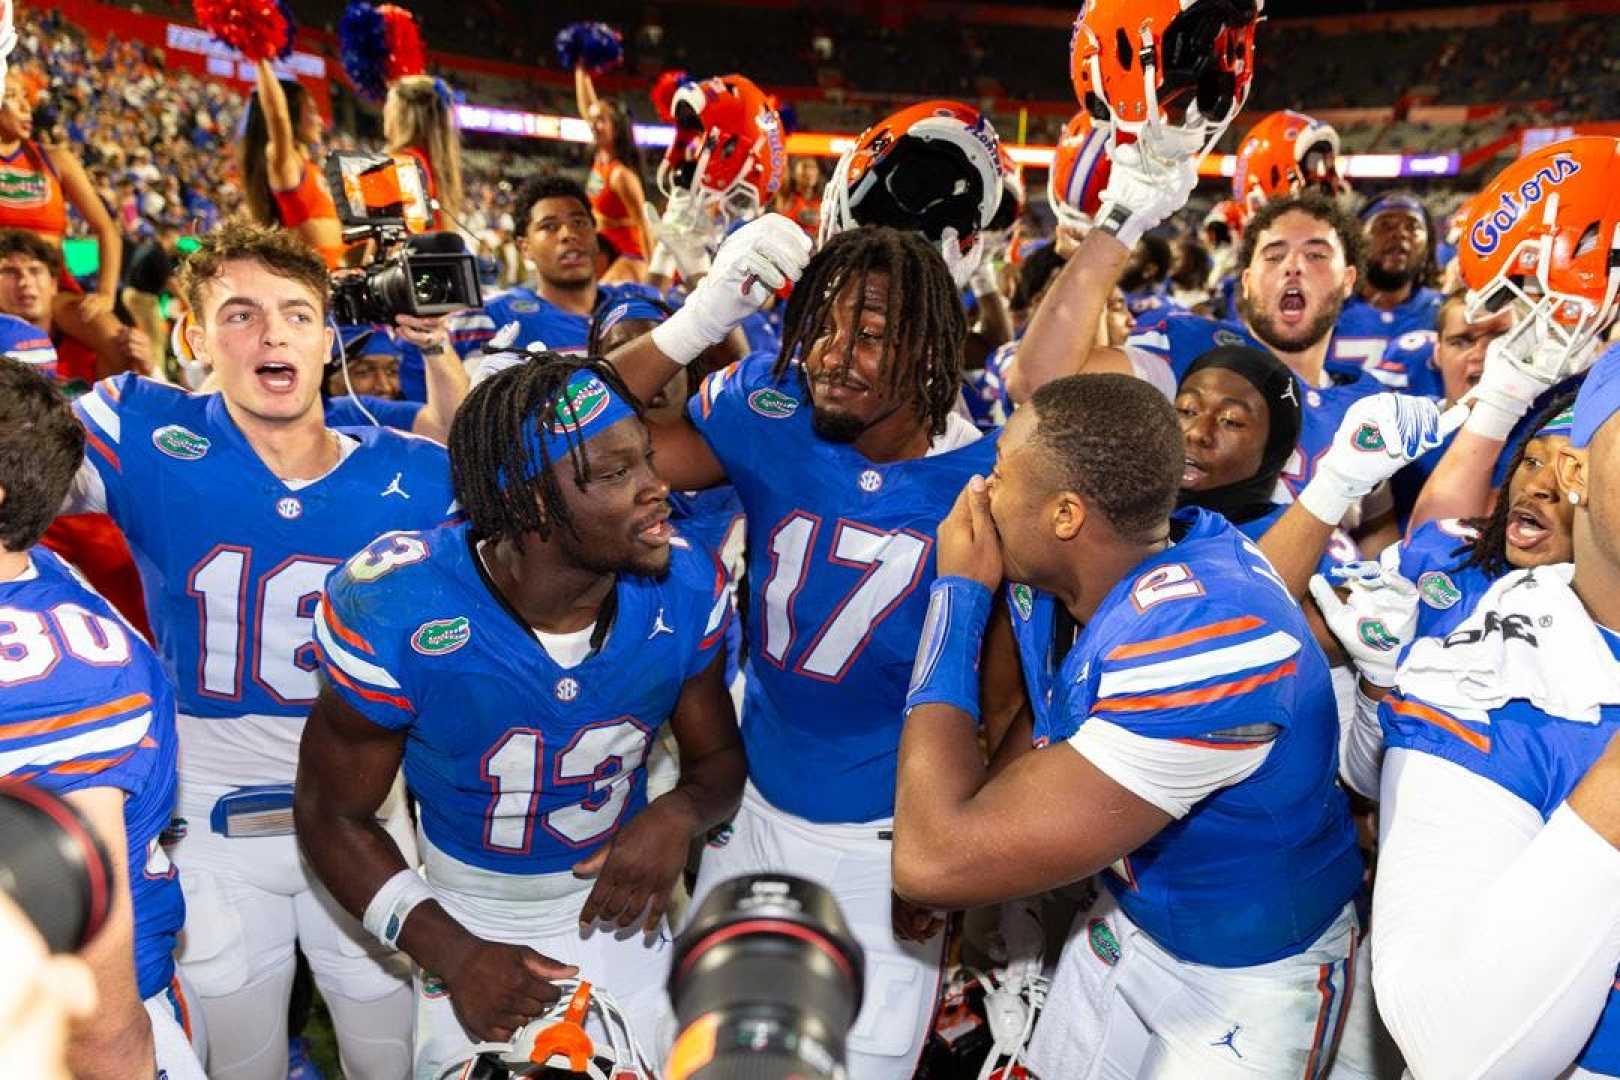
{"x":891,"y":563}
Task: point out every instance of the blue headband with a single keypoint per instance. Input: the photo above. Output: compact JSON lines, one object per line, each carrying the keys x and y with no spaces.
{"x":585,"y":409}
{"x":1405,"y":204}
{"x":1562,"y":425}
{"x":634,"y":307}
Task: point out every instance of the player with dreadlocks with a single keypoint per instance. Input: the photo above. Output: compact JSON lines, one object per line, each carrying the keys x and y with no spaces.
{"x":518,"y":665}
{"x":846,"y":455}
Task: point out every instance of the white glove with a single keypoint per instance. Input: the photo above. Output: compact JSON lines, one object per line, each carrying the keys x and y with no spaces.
{"x":963,"y":265}
{"x":753,"y":263}
{"x":1143,"y":190}
{"x":682,"y":238}
{"x":983,"y":280}
{"x":1378,"y":436}
{"x":1378,"y":619}
{"x":1520,"y":366}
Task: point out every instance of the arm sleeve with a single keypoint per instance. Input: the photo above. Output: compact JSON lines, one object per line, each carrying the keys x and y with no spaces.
{"x":104,"y":740}
{"x":360,"y":653}
{"x":1464,"y":868}
{"x":1174,"y":775}
{"x":1363,"y":747}
{"x":716,"y":619}
{"x":100,"y":480}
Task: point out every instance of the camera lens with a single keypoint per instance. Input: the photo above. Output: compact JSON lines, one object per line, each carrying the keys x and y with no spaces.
{"x":52,"y":866}
{"x":766,"y":982}
{"x":434,"y":285}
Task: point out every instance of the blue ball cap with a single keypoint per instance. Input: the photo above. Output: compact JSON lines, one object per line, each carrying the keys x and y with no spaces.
{"x":1599,"y":398}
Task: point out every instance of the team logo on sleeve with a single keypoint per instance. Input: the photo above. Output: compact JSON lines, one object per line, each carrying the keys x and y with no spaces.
{"x":1229,"y":337}
{"x":1438,"y":590}
{"x":524,"y":307}
{"x":439,"y":636}
{"x":772,"y":404}
{"x":180,"y":443}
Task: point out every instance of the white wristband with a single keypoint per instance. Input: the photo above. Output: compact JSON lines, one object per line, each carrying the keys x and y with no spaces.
{"x":1325,"y":498}
{"x":682,"y":337}
{"x":1490,"y":420}
{"x":1124,"y":226}
{"x":386,"y":914}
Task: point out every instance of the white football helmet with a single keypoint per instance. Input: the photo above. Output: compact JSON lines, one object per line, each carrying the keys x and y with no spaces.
{"x":559,"y":1040}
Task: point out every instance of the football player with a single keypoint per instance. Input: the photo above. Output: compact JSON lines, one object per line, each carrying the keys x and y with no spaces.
{"x":1499,"y":798}
{"x":1393,"y":304}
{"x":88,"y":714}
{"x":845,"y":452}
{"x":518,"y":665}
{"x":557,"y":232}
{"x":1190,"y":737}
{"x":237,"y":505}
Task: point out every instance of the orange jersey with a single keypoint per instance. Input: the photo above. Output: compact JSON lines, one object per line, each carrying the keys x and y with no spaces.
{"x":613,"y":218}
{"x":311,"y":200}
{"x":31,"y":193}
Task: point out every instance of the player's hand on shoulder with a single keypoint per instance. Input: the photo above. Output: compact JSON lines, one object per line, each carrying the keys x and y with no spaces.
{"x":967,"y":541}
{"x":496,"y":988}
{"x":637,"y":869}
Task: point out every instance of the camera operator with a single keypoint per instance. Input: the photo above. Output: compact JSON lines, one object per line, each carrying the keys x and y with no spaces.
{"x":90,"y":716}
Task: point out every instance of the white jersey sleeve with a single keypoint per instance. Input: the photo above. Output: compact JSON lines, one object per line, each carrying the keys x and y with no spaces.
{"x":1464,"y":868}
{"x":1171,"y":774}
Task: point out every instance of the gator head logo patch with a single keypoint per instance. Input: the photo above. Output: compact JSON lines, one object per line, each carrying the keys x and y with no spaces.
{"x":772,"y":404}
{"x":1368,"y":438}
{"x":440,"y":636}
{"x":1103,"y":942}
{"x":1023,"y":601}
{"x":180,"y":443}
{"x":588,"y":401}
{"x":1438,"y":590}
{"x":720,"y":835}
{"x":1375,"y":635}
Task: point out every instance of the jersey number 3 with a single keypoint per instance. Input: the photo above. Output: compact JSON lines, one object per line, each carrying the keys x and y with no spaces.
{"x":890,"y":562}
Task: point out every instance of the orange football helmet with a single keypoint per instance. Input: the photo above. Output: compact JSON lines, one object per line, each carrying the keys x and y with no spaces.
{"x":931,"y":166}
{"x":1285,"y":154}
{"x":1545,"y":234}
{"x":1185,"y":64}
{"x":1079,"y":171}
{"x":729,"y":154}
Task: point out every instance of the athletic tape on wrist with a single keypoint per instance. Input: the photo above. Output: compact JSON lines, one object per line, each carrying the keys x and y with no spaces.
{"x":1326,"y":498}
{"x":1490,"y":420}
{"x":386,"y":914}
{"x":947,"y":667}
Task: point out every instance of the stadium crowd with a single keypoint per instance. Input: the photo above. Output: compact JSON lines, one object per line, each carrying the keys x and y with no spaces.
{"x":1088,"y":584}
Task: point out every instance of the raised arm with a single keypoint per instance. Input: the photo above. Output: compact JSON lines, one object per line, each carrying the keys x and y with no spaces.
{"x":1143,"y":190}
{"x":346,"y":767}
{"x":446,"y":375}
{"x":285,"y":158}
{"x":81,"y":193}
{"x":584,"y":92}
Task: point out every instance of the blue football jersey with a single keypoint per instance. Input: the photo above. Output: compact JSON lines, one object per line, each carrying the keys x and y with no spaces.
{"x":1181,"y":339}
{"x":231,"y":557}
{"x":1411,"y":356}
{"x":840,"y":559}
{"x":1537,"y":757}
{"x":344,"y":411}
{"x":1044,"y":636}
{"x":85,"y":704}
{"x":1145,"y":304}
{"x":518,"y":765}
{"x":23,"y":341}
{"x":1433,"y":558}
{"x":1363,"y":334}
{"x":539,"y":320}
{"x":1196,"y":640}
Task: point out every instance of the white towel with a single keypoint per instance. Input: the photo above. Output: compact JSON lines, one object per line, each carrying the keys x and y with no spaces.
{"x":1530,"y":639}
